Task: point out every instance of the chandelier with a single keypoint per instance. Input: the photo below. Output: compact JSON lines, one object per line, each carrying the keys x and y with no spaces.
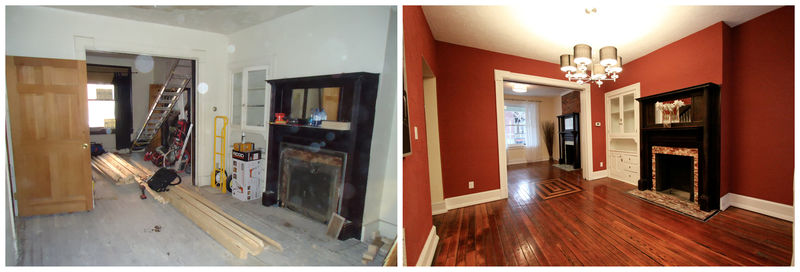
{"x":581,"y":69}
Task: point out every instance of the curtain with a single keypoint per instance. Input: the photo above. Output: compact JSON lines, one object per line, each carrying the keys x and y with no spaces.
{"x":532,"y":145}
{"x":124,"y":112}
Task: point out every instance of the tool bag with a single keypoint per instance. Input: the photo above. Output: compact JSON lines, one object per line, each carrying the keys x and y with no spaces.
{"x":162,"y":179}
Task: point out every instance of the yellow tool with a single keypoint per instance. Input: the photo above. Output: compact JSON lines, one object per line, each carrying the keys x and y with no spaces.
{"x":219,"y":150}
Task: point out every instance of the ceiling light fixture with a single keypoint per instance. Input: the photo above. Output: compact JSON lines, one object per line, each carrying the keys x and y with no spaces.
{"x":582,"y":69}
{"x":519,"y":88}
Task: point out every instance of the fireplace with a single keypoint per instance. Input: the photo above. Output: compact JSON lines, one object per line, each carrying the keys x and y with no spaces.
{"x":311,"y":180}
{"x":680,"y":156}
{"x":675,"y":172}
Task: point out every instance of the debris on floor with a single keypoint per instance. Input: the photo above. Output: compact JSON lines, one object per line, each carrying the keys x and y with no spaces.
{"x":122,"y":171}
{"x":157,"y":228}
{"x":372,"y":250}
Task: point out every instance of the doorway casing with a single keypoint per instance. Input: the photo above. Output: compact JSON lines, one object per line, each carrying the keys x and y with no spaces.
{"x":585,"y":122}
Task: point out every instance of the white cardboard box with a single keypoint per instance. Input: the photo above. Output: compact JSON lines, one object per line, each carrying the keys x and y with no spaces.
{"x":246,"y":181}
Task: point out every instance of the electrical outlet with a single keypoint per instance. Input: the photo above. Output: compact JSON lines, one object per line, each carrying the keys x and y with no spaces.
{"x":601,"y":164}
{"x":471,"y":184}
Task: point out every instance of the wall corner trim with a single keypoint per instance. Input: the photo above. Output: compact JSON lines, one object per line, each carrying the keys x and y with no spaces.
{"x":428,"y":251}
{"x":597,"y":175}
{"x":765,"y":207}
{"x":439,"y":207}
{"x":474,"y":199}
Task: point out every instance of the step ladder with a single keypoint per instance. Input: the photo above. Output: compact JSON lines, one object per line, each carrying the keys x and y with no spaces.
{"x":179,"y":76}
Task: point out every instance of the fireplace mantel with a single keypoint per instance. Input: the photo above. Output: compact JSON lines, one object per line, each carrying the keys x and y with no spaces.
{"x":356,"y":106}
{"x":693,"y":127}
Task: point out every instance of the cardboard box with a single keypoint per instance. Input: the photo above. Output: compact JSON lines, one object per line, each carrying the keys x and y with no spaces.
{"x":246,"y":180}
{"x":246,"y":156}
{"x":243,"y":147}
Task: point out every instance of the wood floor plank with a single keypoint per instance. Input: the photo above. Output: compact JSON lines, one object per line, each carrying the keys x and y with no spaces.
{"x":602,"y":225}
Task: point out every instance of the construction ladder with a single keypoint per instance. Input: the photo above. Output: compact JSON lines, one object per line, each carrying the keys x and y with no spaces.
{"x":179,"y":76}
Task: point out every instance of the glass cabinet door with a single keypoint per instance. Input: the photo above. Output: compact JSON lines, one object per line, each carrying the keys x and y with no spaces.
{"x":255,"y":97}
{"x":615,"y":118}
{"x":236,"y":100}
{"x":628,"y":114}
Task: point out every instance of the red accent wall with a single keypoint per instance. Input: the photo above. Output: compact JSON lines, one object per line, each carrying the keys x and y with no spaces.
{"x":417,"y":220}
{"x":754,"y":64}
{"x":468,"y":115}
{"x":762,"y":107}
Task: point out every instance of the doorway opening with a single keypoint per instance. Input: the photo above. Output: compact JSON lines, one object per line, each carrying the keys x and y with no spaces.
{"x":438,"y":205}
{"x":123,"y":90}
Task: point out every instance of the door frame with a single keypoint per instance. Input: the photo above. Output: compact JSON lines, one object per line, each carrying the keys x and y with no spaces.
{"x":587,"y":161}
{"x":90,"y":44}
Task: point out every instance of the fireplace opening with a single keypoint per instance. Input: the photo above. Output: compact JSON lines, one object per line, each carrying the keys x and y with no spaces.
{"x":311,"y":179}
{"x":675,"y":175}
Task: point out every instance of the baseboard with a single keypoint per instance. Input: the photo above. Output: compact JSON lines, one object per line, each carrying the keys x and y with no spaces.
{"x":473,"y":199}
{"x":593,"y":175}
{"x":439,"y":207}
{"x":765,"y":207}
{"x":429,"y":249}
{"x":517,"y":162}
{"x":725,"y":202}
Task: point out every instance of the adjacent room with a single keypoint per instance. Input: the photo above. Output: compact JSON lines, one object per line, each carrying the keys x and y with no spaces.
{"x":201,"y":135}
{"x":599,"y":135}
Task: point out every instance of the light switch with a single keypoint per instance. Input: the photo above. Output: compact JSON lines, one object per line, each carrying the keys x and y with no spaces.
{"x":416,"y":137}
{"x":471,"y":184}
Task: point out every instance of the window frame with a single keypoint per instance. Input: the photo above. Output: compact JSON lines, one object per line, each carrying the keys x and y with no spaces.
{"x":506,"y":125}
{"x":102,"y":130}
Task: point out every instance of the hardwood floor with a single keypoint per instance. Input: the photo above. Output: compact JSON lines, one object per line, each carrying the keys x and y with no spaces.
{"x":601,"y":225}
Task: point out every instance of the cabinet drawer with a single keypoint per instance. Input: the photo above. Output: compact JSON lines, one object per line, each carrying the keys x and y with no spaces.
{"x":630,"y":167}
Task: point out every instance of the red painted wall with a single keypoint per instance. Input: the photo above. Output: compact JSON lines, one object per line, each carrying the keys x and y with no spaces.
{"x":417,"y":220}
{"x":762,"y":107}
{"x":754,"y":63}
{"x":468,"y":116}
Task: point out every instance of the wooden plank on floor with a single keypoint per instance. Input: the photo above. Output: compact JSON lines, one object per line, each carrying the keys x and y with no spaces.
{"x":209,"y":226}
{"x":219,"y":210}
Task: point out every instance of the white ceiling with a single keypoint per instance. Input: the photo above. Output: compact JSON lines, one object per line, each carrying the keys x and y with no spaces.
{"x":219,"y":19}
{"x":534,"y":90}
{"x":545,"y":32}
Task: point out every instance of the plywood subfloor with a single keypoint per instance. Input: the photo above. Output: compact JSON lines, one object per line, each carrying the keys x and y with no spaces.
{"x":121,"y":231}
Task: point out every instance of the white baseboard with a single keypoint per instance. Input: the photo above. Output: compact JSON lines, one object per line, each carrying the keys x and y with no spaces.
{"x":593,"y":175}
{"x":439,"y":207}
{"x":517,"y":162}
{"x":429,"y":249}
{"x":765,"y":207}
{"x":473,"y":199}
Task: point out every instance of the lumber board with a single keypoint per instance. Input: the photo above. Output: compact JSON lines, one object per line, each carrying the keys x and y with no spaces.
{"x":233,"y":219}
{"x":124,"y":178}
{"x":251,"y":243}
{"x":127,"y":166}
{"x":102,"y":170}
{"x":209,"y":226}
{"x":118,"y":177}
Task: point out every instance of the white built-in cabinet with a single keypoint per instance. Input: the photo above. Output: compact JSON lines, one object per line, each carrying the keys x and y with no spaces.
{"x":622,"y":133}
{"x":249,"y":94}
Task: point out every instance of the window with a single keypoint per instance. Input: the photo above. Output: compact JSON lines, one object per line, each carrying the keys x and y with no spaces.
{"x":102,"y":106}
{"x":516,"y":125}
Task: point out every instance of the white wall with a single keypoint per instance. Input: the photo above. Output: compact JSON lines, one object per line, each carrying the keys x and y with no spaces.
{"x":52,"y":33}
{"x":331,"y":40}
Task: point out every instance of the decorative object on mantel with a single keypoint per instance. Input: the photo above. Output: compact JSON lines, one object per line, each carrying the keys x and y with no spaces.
{"x":549,"y":130}
{"x":669,"y":111}
{"x":279,"y":118}
{"x":674,"y":203}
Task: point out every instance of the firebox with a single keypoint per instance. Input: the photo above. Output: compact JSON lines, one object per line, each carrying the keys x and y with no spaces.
{"x":675,"y":176}
{"x":311,"y":180}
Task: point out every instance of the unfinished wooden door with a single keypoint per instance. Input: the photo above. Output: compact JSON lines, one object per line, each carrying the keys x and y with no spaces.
{"x":49,"y":121}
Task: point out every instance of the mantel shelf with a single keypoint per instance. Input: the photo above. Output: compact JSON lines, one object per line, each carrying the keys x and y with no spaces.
{"x":305,"y":126}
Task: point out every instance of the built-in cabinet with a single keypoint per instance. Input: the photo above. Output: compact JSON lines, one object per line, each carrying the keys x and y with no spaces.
{"x":622,"y":133}
{"x":249,"y":106}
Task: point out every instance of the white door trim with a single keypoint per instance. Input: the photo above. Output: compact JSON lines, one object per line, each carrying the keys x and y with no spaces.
{"x":587,"y":163}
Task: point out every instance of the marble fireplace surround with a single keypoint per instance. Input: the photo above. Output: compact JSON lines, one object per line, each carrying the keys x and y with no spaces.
{"x":678,"y":151}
